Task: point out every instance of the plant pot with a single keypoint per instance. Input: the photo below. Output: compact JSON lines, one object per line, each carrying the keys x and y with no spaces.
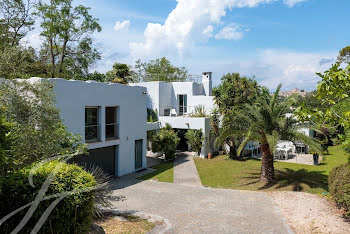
{"x":210,"y":156}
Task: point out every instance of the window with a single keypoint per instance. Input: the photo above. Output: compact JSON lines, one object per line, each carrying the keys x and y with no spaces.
{"x":182,"y":104}
{"x":111,"y":123}
{"x":92,"y":124}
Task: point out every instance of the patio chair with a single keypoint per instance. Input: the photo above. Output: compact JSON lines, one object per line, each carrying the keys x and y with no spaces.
{"x":173,"y":112}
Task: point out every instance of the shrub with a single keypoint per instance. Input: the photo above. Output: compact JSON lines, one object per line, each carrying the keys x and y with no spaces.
{"x":72,"y":215}
{"x":166,"y":141}
{"x":339,"y":186}
{"x":195,"y":140}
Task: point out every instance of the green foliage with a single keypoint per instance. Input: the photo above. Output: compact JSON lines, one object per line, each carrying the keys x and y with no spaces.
{"x":344,"y":55}
{"x":265,"y":122}
{"x":15,"y":21}
{"x":72,"y":215}
{"x":121,"y":73}
{"x":159,"y":70}
{"x":235,"y":90}
{"x":19,"y":62}
{"x":68,"y":46}
{"x":100,"y":77}
{"x":166,"y":141}
{"x":339,"y":186}
{"x":195,"y":139}
{"x":199,"y":112}
{"x":152,"y":115}
{"x":37,"y":131}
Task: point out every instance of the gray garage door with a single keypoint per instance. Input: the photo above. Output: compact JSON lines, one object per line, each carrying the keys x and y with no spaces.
{"x":105,"y":158}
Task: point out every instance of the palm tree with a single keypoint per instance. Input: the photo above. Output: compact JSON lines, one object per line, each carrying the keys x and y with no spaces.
{"x":266,"y":122}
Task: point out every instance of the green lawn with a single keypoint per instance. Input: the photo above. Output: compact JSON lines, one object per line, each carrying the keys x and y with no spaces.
{"x":222,"y":173}
{"x":164,"y":173}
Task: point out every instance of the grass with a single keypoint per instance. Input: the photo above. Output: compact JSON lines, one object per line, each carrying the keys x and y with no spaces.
{"x":132,"y":225}
{"x":164,"y":173}
{"x":244,"y":175}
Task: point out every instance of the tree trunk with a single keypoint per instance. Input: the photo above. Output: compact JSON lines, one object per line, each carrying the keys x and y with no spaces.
{"x":52,"y":55}
{"x":267,"y":169}
{"x":63,"y":55}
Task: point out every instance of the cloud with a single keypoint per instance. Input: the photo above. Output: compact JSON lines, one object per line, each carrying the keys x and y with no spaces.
{"x":292,"y":3}
{"x":230,"y":32}
{"x":208,"y":31}
{"x":120,"y":25}
{"x":292,"y":69}
{"x":184,"y":26}
{"x":32,"y":39}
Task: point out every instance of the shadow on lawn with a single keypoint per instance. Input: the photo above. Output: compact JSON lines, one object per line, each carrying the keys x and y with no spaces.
{"x":297,"y":179}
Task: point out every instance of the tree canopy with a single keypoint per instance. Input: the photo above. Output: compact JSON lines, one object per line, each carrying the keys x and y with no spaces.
{"x":234,"y":90}
{"x":159,"y":69}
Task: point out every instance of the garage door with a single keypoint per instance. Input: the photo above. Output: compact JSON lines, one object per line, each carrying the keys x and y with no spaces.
{"x":105,"y":158}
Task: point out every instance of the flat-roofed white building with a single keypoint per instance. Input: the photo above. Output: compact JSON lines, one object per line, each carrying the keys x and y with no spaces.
{"x":176,"y":101}
{"x":111,"y":118}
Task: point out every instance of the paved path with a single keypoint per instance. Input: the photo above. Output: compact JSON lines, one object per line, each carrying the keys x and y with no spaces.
{"x":188,"y":209}
{"x":185,"y":171}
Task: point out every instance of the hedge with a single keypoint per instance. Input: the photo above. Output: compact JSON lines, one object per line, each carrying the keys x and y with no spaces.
{"x":339,"y":187}
{"x":72,"y":215}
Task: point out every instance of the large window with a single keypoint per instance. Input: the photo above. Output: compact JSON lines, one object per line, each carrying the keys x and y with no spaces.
{"x":92,"y":127}
{"x":182,"y":104}
{"x":111,"y":123}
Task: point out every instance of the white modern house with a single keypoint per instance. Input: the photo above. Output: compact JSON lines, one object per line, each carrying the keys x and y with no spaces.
{"x":111,"y":118}
{"x":175,"y":101}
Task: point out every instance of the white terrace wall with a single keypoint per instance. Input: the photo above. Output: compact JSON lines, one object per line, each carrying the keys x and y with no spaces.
{"x":73,"y":96}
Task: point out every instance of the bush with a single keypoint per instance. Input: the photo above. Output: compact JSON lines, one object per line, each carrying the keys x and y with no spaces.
{"x":339,"y":186}
{"x":166,"y":141}
{"x":195,"y":140}
{"x":72,"y":215}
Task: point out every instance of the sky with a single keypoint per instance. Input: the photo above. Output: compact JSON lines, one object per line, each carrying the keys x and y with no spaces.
{"x":275,"y":41}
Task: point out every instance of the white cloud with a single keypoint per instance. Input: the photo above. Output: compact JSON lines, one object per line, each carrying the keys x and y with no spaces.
{"x":292,"y":3}
{"x":184,"y":26}
{"x":208,"y":31}
{"x":120,"y":25}
{"x":292,"y":69}
{"x":230,"y":32}
{"x":33,"y":39}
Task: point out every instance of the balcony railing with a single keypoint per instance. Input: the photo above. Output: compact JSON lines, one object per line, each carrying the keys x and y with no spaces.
{"x":112,"y":131}
{"x":92,"y":133}
{"x":185,"y":111}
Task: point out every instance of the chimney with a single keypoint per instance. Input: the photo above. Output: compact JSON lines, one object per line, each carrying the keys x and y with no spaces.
{"x":207,"y":83}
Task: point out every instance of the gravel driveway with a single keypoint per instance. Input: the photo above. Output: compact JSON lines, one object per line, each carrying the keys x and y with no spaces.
{"x":201,"y":210}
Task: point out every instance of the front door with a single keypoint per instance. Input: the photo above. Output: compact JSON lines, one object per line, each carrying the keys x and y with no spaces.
{"x":182,"y":104}
{"x":138,"y":154}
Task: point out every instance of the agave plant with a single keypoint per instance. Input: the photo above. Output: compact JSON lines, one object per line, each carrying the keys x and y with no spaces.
{"x":199,"y":112}
{"x":265,"y":121}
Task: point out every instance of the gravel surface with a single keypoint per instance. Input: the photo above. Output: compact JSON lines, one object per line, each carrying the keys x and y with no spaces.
{"x":187,"y":209}
{"x":308,"y":213}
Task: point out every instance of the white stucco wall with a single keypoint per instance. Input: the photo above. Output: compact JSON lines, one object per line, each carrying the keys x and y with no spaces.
{"x":73,"y":96}
{"x":190,"y":123}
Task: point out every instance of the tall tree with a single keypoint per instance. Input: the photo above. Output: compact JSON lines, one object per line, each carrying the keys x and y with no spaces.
{"x":67,"y":31}
{"x":121,"y":73}
{"x":235,"y":90}
{"x":15,"y":20}
{"x":160,"y":69}
{"x":344,"y":55}
{"x":266,"y":122}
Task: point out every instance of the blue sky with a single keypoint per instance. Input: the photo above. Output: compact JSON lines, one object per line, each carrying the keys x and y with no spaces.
{"x":277,"y":41}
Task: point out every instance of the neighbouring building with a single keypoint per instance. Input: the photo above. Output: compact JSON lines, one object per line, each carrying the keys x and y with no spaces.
{"x":175,"y":102}
{"x":293,"y":91}
{"x":111,"y":118}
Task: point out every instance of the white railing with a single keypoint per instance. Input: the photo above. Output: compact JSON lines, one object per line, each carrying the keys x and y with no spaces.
{"x":186,"y":111}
